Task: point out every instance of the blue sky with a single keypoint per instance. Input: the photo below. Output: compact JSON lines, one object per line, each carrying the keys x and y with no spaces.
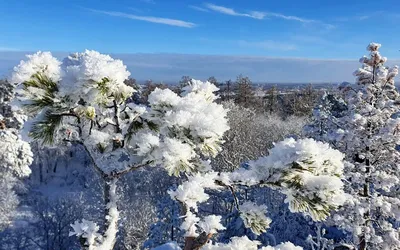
{"x":275,"y":29}
{"x":311,"y":29}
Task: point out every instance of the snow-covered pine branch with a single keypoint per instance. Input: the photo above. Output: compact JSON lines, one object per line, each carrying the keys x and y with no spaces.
{"x":82,"y":100}
{"x":308,"y":172}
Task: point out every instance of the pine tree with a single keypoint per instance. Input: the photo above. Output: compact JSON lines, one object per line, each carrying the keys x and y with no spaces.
{"x":11,"y":118}
{"x":271,"y":100}
{"x":244,"y":92}
{"x":213,"y":80}
{"x":367,"y":130}
{"x":83,"y":101}
{"x":15,"y":154}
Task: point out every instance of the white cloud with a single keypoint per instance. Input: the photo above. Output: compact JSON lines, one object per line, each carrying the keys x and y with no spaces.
{"x":292,"y":18}
{"x":231,"y":12}
{"x":161,"y":20}
{"x":269,"y":45}
{"x":262,"y":15}
{"x":198,"y":8}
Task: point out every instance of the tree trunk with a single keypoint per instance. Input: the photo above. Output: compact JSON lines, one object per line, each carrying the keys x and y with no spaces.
{"x":366,"y":194}
{"x":107,"y":198}
{"x":189,"y":243}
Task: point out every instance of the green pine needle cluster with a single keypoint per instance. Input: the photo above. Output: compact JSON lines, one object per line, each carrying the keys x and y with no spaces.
{"x":42,"y":82}
{"x":45,"y":129}
{"x":137,"y":125}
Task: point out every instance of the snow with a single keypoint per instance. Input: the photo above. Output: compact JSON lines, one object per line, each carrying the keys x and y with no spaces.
{"x":207,"y":89}
{"x":146,"y":142}
{"x":236,"y":243}
{"x":83,"y":72}
{"x":176,"y":156}
{"x":160,"y":97}
{"x":86,"y":229}
{"x":190,"y":193}
{"x":168,"y":246}
{"x":16,"y":155}
{"x":189,"y":224}
{"x":283,"y":246}
{"x":211,"y":224}
{"x":254,"y":217}
{"x":91,"y":87}
{"x":241,"y":243}
{"x":313,"y":165}
{"x":38,"y":62}
{"x":89,"y":230}
{"x":367,"y":132}
{"x":177,"y":132}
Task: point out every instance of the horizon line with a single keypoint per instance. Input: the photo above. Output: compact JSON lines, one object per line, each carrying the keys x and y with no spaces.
{"x":195,"y":54}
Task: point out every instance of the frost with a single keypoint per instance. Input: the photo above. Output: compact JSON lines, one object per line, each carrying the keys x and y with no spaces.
{"x":176,"y":156}
{"x":303,"y":170}
{"x":160,"y":97}
{"x":283,"y":246}
{"x":306,"y":171}
{"x":168,"y":246}
{"x":15,"y":158}
{"x":190,"y":193}
{"x":189,"y":225}
{"x":211,"y":224}
{"x":42,"y":62}
{"x":241,"y":243}
{"x":146,"y":142}
{"x":16,"y":155}
{"x":254,"y":217}
{"x":207,"y":89}
{"x":236,"y":243}
{"x":86,"y":229}
{"x":94,"y":77}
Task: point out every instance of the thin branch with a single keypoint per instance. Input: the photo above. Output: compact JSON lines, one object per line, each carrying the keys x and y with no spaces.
{"x":232,"y":191}
{"x":116,"y":117}
{"x":131,"y":168}
{"x":98,"y":169}
{"x":78,"y":119}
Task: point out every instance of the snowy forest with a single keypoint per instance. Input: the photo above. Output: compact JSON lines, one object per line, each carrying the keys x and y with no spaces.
{"x":90,"y":159}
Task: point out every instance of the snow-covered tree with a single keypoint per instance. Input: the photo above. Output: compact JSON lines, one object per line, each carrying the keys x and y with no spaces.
{"x":12,"y":118}
{"x":367,"y":130}
{"x":82,"y":100}
{"x":213,"y":80}
{"x":323,"y":123}
{"x":15,"y":158}
{"x":245,"y":94}
{"x":15,"y":154}
{"x":251,"y":134}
